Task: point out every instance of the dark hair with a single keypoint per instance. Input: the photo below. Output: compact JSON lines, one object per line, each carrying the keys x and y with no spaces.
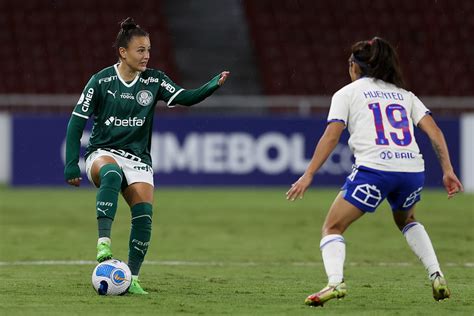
{"x":378,"y":59}
{"x":128,"y":29}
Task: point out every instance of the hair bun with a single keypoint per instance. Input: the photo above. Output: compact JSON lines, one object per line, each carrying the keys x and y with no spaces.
{"x":128,"y":24}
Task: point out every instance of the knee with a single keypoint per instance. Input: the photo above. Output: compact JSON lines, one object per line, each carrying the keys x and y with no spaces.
{"x":333,"y":228}
{"x":402,"y":222}
{"x":111,"y":175}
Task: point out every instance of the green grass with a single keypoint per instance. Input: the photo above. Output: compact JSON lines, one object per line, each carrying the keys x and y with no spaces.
{"x":243,"y":252}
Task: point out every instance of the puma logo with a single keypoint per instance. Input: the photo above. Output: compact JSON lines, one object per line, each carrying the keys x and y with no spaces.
{"x":112,"y":93}
{"x":103,"y":211}
{"x":141,"y":250}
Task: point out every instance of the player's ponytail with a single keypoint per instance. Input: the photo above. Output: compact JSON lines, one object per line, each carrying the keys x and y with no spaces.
{"x":378,"y":59}
{"x":128,"y":29}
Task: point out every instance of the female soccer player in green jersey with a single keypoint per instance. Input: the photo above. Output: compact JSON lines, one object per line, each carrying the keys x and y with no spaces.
{"x":122,"y":100}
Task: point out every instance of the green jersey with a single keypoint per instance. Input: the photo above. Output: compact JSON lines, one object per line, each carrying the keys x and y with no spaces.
{"x":123,"y":111}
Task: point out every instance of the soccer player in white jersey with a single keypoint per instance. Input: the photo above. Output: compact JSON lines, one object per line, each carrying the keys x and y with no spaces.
{"x":380,"y":116}
{"x":122,"y":100}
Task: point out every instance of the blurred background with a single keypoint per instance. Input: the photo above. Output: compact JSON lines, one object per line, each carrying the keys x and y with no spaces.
{"x":286,"y":58}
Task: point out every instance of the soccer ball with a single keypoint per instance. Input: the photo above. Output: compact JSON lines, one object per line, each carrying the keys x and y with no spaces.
{"x":111,"y":277}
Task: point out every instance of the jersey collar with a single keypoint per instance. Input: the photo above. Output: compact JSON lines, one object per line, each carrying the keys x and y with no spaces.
{"x":128,"y":85}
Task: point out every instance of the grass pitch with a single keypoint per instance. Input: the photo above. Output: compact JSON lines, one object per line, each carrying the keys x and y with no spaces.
{"x":228,"y":252}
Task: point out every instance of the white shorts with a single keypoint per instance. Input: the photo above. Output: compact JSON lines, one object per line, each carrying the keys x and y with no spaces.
{"x":134,"y":171}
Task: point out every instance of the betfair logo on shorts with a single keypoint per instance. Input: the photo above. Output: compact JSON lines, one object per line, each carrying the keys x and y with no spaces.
{"x":131,"y":121}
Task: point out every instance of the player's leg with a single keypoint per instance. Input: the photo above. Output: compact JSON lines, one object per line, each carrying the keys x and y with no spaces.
{"x":333,"y":249}
{"x":420,"y":243}
{"x":403,"y":201}
{"x":107,"y":176}
{"x":139,"y":197}
{"x":362,"y":192}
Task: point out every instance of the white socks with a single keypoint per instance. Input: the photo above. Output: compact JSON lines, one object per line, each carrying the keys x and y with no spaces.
{"x":333,"y":250}
{"x":104,"y":240}
{"x":420,"y":243}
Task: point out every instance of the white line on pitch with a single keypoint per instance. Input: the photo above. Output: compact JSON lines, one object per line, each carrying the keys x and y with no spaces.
{"x":224,"y":264}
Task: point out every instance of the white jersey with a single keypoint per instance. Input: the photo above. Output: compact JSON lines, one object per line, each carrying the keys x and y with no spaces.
{"x":380,"y":118}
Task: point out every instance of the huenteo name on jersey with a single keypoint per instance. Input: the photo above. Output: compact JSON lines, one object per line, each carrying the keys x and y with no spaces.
{"x":128,"y":122}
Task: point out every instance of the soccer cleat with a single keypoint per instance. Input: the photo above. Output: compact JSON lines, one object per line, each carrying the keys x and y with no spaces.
{"x":135,"y":287}
{"x":440,"y":287}
{"x":103,"y":252}
{"x":326,"y":294}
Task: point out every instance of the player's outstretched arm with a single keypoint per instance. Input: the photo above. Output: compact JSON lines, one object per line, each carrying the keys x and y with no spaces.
{"x":325,"y":146}
{"x":193,"y":96}
{"x":450,"y":180}
{"x":75,"y":128}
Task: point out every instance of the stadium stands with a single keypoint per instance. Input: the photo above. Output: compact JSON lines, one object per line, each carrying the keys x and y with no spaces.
{"x":302,"y":45}
{"x":55,"y":46}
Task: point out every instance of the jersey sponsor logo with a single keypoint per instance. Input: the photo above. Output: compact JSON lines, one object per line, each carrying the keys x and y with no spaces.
{"x":388,"y":154}
{"x":109,"y":121}
{"x":127,"y":95}
{"x":107,"y":79}
{"x":128,"y":122}
{"x":144,"y":97}
{"x":86,"y":100}
{"x":149,"y":80}
{"x":404,"y":155}
{"x":168,"y":86}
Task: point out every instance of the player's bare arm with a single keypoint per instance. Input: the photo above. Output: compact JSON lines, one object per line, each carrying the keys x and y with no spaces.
{"x":450,"y":180}
{"x":325,"y":146}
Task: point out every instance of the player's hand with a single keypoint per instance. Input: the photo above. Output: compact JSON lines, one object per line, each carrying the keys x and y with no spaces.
{"x":452,"y":184}
{"x":299,"y":187}
{"x":223,"y":77}
{"x":75,"y":182}
{"x":72,"y":174}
